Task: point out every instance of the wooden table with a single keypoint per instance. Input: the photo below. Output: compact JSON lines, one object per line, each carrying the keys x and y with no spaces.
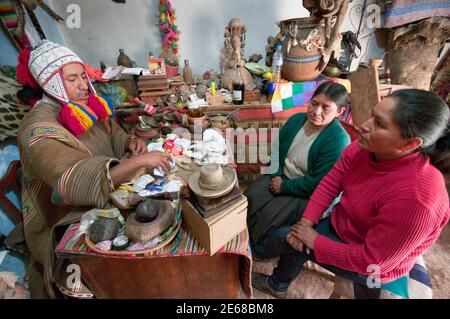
{"x":166,"y":277}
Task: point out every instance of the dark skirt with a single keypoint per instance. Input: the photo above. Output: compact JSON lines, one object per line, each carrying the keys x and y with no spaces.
{"x":267,"y":212}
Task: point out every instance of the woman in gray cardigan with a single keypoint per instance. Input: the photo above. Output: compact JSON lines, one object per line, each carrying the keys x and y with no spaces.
{"x":309,"y":145}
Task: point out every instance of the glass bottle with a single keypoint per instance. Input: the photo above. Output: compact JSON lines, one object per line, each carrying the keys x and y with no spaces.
{"x":238,"y":87}
{"x":187,"y":73}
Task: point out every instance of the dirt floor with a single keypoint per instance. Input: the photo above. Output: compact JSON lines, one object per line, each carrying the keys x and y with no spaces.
{"x":316,"y":283}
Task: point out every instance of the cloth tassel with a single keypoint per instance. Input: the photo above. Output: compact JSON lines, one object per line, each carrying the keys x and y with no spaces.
{"x":98,"y":106}
{"x":71,"y":121}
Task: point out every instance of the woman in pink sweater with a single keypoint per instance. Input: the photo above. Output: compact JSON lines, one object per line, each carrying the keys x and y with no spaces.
{"x":394,"y":201}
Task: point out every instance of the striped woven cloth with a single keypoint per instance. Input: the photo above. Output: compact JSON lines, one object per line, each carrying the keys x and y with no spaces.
{"x":401,"y":12}
{"x":10,"y":21}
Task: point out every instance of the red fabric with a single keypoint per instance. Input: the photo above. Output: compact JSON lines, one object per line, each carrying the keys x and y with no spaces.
{"x":350,"y":129}
{"x":70,"y":122}
{"x":24,"y":76}
{"x":390,"y":212}
{"x":94,"y":73}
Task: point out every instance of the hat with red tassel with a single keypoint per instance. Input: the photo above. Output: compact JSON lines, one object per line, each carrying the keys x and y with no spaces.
{"x":45,"y":64}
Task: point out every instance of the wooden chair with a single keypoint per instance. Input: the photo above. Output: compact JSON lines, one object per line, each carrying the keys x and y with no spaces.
{"x":10,"y":181}
{"x":418,"y":286}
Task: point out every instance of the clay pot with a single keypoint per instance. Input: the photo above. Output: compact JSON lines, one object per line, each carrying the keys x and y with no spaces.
{"x":204,"y":126}
{"x":138,"y":231}
{"x":192,"y":120}
{"x":332,"y":71}
{"x":299,"y":64}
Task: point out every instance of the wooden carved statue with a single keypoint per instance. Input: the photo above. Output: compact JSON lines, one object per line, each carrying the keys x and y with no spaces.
{"x":232,"y":54}
{"x":308,"y":43}
{"x":329,"y":10}
{"x":30,"y":5}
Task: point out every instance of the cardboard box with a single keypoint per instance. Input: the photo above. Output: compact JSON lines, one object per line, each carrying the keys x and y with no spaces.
{"x":217,"y":230}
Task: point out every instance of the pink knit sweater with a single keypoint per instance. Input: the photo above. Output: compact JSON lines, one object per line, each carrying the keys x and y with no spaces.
{"x":390,"y":212}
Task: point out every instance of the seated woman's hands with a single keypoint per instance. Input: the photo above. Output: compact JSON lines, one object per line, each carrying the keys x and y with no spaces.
{"x":275,"y":185}
{"x":302,"y":234}
{"x":136,"y":146}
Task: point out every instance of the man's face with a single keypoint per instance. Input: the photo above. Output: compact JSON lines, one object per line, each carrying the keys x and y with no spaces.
{"x":76,"y":82}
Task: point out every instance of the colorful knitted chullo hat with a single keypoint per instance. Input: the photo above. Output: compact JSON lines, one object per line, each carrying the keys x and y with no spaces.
{"x":45,"y":64}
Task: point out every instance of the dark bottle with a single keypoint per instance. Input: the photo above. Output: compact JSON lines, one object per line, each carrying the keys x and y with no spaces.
{"x":238,"y":87}
{"x":124,"y":59}
{"x":102,"y":66}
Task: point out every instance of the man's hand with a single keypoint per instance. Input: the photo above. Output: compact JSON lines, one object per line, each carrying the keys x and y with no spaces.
{"x":275,"y":185}
{"x":156,"y":159}
{"x":136,"y":146}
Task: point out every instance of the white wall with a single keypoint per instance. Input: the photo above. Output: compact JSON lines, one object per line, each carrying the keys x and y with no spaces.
{"x":107,"y":26}
{"x":8,"y":52}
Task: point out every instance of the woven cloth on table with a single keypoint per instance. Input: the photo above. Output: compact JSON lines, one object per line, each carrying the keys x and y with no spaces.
{"x":184,"y":244}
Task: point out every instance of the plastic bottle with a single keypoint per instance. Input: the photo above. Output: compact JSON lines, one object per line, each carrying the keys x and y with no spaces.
{"x":238,"y":87}
{"x":147,"y":108}
{"x":277,"y":63}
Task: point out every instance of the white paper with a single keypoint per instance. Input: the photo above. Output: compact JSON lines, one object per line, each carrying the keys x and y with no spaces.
{"x":134,"y":71}
{"x":112,"y":72}
{"x":183,"y":142}
{"x":196,"y":104}
{"x":141,"y":182}
{"x":213,"y":135}
{"x":3,"y":255}
{"x":147,"y":192}
{"x":172,"y":186}
{"x":155,"y":147}
{"x":160,"y":173}
{"x":171,"y":137}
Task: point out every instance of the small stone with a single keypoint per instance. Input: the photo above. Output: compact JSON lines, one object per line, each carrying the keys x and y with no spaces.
{"x":104,"y":245}
{"x":103,"y":229}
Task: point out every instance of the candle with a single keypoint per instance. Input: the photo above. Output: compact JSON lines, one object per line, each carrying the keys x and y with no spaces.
{"x":213,"y":88}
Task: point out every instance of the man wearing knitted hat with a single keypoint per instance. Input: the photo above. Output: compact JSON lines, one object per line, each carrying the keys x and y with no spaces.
{"x":70,"y":149}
